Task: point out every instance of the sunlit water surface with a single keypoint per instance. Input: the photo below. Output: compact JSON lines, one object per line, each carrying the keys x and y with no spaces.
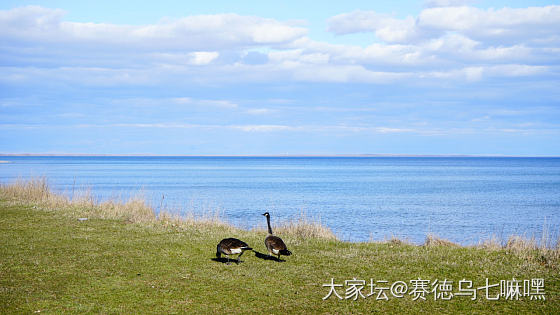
{"x":460,"y":199}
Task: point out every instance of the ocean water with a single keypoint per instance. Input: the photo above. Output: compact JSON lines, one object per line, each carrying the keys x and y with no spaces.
{"x":463,"y":199}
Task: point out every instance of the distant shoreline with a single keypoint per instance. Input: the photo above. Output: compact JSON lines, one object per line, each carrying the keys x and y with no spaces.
{"x":272,"y":155}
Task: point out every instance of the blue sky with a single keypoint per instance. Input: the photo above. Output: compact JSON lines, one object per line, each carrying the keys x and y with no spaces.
{"x":218,"y":77}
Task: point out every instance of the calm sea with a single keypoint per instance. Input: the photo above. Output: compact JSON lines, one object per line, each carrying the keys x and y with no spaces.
{"x":461,"y":199}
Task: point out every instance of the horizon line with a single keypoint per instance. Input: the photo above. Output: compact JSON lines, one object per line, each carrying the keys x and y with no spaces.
{"x":270,"y":155}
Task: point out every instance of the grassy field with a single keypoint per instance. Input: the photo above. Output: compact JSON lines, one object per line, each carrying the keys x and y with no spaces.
{"x":50,"y":262}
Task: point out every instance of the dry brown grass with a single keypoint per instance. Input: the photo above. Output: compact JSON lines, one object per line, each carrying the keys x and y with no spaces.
{"x":36,"y":191}
{"x":303,"y":226}
{"x":136,"y":210}
{"x":434,"y":240}
{"x":545,"y":252}
{"x":530,"y":249}
{"x":83,"y":203}
{"x":208,"y":219}
{"x":393,"y":240}
{"x":492,"y":243}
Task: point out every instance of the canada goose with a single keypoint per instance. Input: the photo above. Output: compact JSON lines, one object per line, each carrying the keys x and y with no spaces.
{"x":274,"y":244}
{"x":231,"y":246}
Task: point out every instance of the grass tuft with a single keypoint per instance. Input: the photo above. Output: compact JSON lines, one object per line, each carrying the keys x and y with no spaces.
{"x":434,"y":240}
{"x":304,"y":226}
{"x":137,"y":210}
{"x":492,"y":243}
{"x":392,"y":241}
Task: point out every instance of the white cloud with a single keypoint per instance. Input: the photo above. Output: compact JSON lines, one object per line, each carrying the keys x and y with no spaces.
{"x":478,"y":73}
{"x":172,"y":125}
{"x":186,"y":101}
{"x":344,"y":73}
{"x":380,"y":54}
{"x":264,"y":128}
{"x":447,"y":3}
{"x":218,"y":103}
{"x":176,"y":102}
{"x":20,"y":21}
{"x":394,"y":130}
{"x":88,"y":76}
{"x":460,"y":43}
{"x":506,"y":24}
{"x":525,"y":128}
{"x":33,"y":23}
{"x":385,"y":27}
{"x":473,"y":73}
{"x":168,"y":125}
{"x":180,"y":100}
{"x":450,"y":40}
{"x":201,"y":58}
{"x":516,"y":70}
{"x":259,"y":111}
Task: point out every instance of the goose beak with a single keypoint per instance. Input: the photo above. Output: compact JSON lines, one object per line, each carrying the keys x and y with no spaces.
{"x":264,"y":214}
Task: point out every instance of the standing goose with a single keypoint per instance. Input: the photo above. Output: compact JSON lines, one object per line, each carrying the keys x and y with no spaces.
{"x":231,"y":246}
{"x":274,"y":244}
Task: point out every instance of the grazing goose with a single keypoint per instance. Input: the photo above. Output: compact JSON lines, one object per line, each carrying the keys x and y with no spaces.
{"x":274,"y":244}
{"x":231,"y":246}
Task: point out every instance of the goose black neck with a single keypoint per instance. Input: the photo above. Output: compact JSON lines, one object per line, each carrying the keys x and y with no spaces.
{"x":268,"y":222}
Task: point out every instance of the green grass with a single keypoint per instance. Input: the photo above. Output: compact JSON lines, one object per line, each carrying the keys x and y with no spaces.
{"x":53,"y":263}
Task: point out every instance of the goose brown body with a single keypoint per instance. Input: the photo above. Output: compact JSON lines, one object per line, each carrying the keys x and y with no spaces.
{"x":231,"y":246}
{"x":274,"y":244}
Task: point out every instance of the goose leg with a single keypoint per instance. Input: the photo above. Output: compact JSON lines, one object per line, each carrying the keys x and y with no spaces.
{"x":239,"y":257}
{"x":227,"y":263}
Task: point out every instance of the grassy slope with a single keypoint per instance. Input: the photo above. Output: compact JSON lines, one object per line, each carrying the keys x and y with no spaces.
{"x":54,"y":263}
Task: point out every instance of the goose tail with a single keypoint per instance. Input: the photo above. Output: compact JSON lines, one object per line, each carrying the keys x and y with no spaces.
{"x":285,"y":252}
